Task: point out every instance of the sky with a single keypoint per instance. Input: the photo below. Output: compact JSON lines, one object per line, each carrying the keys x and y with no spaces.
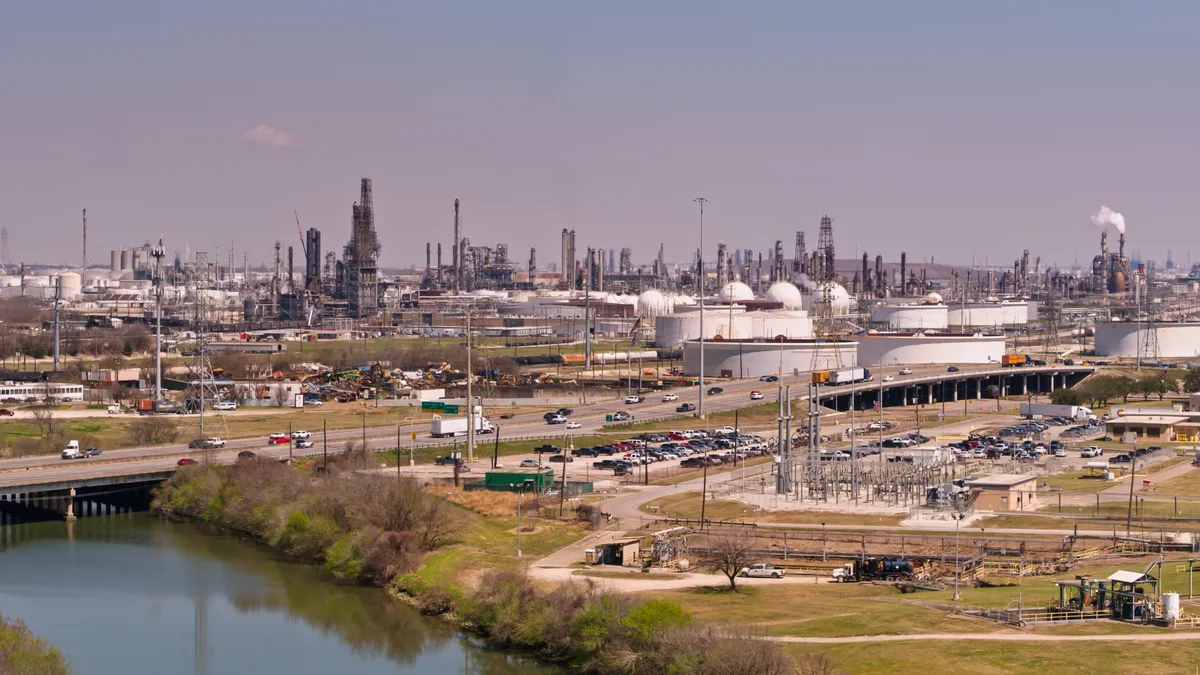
{"x":958,"y":131}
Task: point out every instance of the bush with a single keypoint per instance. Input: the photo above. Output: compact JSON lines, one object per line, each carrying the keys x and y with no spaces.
{"x":152,"y":431}
{"x":23,"y":653}
{"x":436,"y":600}
{"x":652,"y":618}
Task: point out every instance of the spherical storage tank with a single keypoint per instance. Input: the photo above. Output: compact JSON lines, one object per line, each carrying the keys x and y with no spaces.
{"x":1175,"y":340}
{"x":735,"y":291}
{"x":653,"y":303}
{"x":786,"y":294}
{"x":839,"y":298}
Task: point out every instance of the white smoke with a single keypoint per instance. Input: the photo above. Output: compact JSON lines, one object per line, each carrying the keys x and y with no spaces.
{"x":1106,"y":217}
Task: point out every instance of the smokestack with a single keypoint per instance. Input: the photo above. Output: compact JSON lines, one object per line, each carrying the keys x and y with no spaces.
{"x":291,"y":281}
{"x":866,"y":274}
{"x":454,"y":254}
{"x":880,"y":278}
{"x":1120,"y":246}
{"x":532,"y":263}
{"x":85,"y":245}
{"x":428,"y":257}
{"x":439,"y":259}
{"x":903,"y":274}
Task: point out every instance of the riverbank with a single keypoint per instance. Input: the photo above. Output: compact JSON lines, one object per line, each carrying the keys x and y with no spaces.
{"x":388,"y":532}
{"x":23,"y":653}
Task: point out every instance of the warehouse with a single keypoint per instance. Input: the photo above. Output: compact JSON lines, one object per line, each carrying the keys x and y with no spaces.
{"x":1152,"y":340}
{"x":922,"y":348}
{"x":758,"y":357}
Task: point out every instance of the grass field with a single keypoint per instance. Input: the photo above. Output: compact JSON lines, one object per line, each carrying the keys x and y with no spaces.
{"x":687,"y":505}
{"x":1186,"y":484}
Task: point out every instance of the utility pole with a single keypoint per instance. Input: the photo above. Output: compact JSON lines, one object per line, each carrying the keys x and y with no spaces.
{"x":700,"y":406}
{"x":57,"y":303}
{"x":157,"y":253}
{"x":470,"y":399}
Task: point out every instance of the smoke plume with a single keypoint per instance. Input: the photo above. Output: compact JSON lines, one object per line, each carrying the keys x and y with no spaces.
{"x":1107,"y":217}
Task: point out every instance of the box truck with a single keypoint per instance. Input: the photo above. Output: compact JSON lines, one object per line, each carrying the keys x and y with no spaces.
{"x":1074,"y":412}
{"x":446,"y":427}
{"x":849,"y":375}
{"x":1013,"y":360}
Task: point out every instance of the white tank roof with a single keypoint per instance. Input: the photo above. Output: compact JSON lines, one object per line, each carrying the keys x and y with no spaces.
{"x":785,"y":293}
{"x":735,"y":291}
{"x":653,"y":303}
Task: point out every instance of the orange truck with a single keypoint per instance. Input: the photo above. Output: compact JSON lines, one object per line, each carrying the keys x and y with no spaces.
{"x":820,"y":376}
{"x":1012,"y":360}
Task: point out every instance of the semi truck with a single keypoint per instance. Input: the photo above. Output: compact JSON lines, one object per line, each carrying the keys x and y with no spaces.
{"x":841,"y":376}
{"x":149,"y":407}
{"x":446,"y":427}
{"x":874,"y":569}
{"x":1074,"y":412}
{"x":1013,"y":360}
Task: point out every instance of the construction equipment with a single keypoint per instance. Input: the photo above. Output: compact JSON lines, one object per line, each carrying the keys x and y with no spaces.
{"x":874,"y":569}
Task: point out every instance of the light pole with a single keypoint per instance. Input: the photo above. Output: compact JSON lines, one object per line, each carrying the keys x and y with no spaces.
{"x":520,"y":492}
{"x":957,"y":519}
{"x":470,"y":400}
{"x":407,"y":421}
{"x":700,"y":406}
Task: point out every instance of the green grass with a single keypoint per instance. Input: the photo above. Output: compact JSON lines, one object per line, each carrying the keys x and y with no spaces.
{"x":1186,"y":484}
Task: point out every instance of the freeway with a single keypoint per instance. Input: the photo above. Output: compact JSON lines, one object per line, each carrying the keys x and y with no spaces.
{"x":591,"y":417}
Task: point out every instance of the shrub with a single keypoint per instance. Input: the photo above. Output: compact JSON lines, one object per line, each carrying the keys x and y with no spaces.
{"x":436,"y":600}
{"x":23,"y":653}
{"x":652,"y":618}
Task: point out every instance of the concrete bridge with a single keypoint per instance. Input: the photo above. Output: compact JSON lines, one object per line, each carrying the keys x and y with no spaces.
{"x":114,"y":489}
{"x":947,"y":387}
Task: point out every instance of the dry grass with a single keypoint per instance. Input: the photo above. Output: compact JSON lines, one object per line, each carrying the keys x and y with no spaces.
{"x":687,"y":505}
{"x":483,"y":502}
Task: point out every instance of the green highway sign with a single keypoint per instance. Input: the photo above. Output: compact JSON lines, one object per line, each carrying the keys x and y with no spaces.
{"x":434,"y":405}
{"x":450,"y":409}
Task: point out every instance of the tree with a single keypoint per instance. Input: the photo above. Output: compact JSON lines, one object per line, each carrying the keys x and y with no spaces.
{"x":1191,"y":381}
{"x":152,"y":431}
{"x":43,"y":418}
{"x":1066,"y":397}
{"x":729,"y":554}
{"x":1149,"y":385}
{"x":279,"y":395}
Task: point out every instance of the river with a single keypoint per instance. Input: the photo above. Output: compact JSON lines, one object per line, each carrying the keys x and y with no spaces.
{"x":137,"y":594}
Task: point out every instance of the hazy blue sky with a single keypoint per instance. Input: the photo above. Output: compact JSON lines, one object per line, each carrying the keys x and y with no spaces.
{"x":948,"y":129}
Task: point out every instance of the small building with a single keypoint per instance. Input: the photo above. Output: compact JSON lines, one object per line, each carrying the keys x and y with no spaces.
{"x":513,"y":480}
{"x":1156,"y":427}
{"x":622,"y":552}
{"x":1004,"y":492}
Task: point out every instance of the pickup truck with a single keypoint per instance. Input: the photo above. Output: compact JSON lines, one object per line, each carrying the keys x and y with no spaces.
{"x":760,"y":570}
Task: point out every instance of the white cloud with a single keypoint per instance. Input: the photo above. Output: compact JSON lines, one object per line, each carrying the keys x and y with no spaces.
{"x":265,"y":134}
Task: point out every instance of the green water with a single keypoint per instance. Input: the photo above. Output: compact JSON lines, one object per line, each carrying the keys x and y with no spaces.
{"x":135,"y":594}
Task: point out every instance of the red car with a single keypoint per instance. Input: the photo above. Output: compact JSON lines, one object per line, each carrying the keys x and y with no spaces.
{"x":5,"y":412}
{"x":279,"y":438}
{"x":677,"y":437}
{"x":186,"y":461}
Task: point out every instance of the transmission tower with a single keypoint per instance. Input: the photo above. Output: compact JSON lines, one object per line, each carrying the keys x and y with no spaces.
{"x":1051,"y":321}
{"x":202,"y":392}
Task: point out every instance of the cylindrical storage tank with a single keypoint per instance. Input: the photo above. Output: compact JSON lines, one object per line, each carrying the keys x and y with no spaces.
{"x":114,"y":260}
{"x":72,"y":285}
{"x":1170,"y":603}
{"x":909,"y":317}
{"x":126,"y":263}
{"x":989,"y":314}
{"x":1175,"y":340}
{"x":913,"y":349}
{"x":748,"y":358}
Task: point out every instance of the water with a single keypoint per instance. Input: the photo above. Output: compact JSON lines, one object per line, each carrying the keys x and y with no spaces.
{"x":136,"y":594}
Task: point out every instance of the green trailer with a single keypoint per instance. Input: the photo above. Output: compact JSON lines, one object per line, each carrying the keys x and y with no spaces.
{"x":513,"y":480}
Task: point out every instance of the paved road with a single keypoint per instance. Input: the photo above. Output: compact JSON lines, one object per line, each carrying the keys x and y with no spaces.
{"x":994,"y":637}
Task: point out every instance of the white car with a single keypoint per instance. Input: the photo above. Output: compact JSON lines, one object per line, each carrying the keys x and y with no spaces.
{"x":302,"y":444}
{"x":667,"y":398}
{"x":906,"y":371}
{"x":888,"y":378}
{"x":556,"y":419}
{"x":574,"y":425}
{"x":215,"y":442}
{"x":224,"y":405}
{"x":1091,"y":451}
{"x":313,"y":402}
{"x":300,"y":435}
{"x":756,"y":395}
{"x":633,"y":398}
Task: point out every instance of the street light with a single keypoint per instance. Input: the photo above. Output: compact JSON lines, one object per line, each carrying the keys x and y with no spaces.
{"x":700,"y":406}
{"x":958,"y":516}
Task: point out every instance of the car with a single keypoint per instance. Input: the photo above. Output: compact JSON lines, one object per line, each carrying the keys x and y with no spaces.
{"x":686,"y":407}
{"x":1091,"y":451}
{"x":952,"y":369}
{"x":633,"y":398}
{"x":90,"y":452}
{"x":224,"y":405}
{"x":769,"y":378}
{"x":278,"y":438}
{"x":247,"y":454}
{"x":5,"y":412}
{"x":574,"y":425}
{"x":303,"y":444}
{"x":565,"y":412}
{"x":508,"y":416}
{"x":314,"y":402}
{"x":667,"y":398}
{"x":1120,"y":459}
{"x":446,"y":461}
{"x":713,"y":391}
{"x":560,"y":458}
{"x":888,"y":378}
{"x":585,"y":452}
{"x":300,"y":435}
{"x":530,"y":464}
{"x":906,"y":371}
{"x":756,"y":395}
{"x":556,"y":419}
{"x":621,"y":416}
{"x":186,"y":461}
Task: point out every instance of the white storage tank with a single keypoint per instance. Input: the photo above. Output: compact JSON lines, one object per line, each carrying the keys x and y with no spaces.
{"x":1126,"y":339}
{"x":72,"y":285}
{"x":909,"y":317}
{"x":1170,"y":603}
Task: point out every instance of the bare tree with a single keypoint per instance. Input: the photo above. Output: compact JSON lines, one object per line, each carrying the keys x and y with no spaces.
{"x":43,"y":418}
{"x":729,"y":554}
{"x":813,"y":663}
{"x":152,"y":431}
{"x":279,"y":395}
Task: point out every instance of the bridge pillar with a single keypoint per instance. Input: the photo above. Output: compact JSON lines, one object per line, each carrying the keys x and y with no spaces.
{"x":70,"y":505}
{"x":955,"y":396}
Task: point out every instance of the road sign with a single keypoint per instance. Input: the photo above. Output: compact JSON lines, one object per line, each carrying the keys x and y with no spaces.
{"x":414,"y":435}
{"x":450,"y":409}
{"x":432,"y":405}
{"x":608,"y":418}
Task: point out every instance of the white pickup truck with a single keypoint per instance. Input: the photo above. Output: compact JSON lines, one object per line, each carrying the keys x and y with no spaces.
{"x":761,"y":571}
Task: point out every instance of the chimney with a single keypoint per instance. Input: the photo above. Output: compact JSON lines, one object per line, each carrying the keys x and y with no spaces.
{"x":903,"y":274}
